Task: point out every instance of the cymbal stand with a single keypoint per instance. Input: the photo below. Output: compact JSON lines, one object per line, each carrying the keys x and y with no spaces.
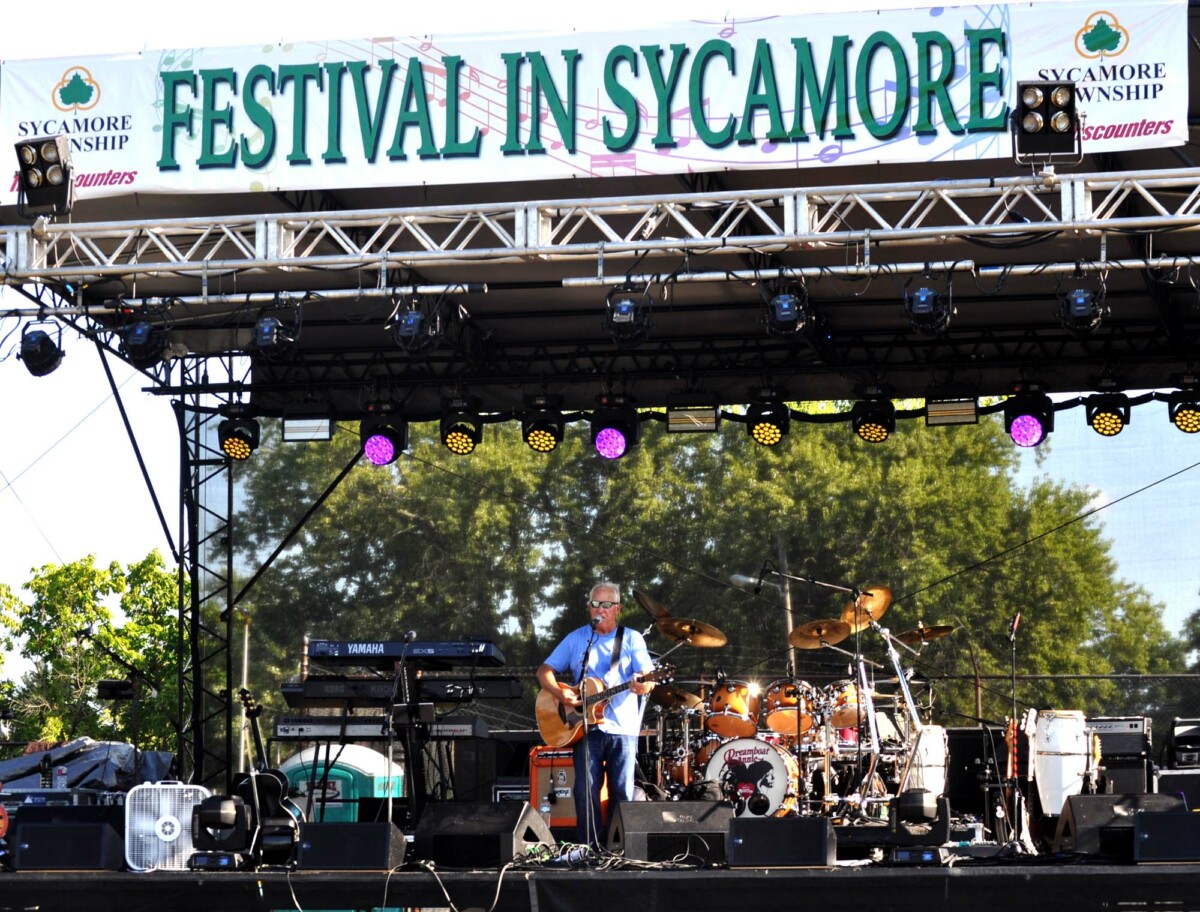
{"x":909,"y":704}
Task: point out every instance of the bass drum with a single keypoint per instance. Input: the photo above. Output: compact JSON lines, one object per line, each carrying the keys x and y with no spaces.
{"x":788,"y":706}
{"x":760,"y":779}
{"x":733,"y":710}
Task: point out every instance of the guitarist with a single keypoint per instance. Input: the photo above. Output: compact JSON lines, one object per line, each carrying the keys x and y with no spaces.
{"x":616,"y":655}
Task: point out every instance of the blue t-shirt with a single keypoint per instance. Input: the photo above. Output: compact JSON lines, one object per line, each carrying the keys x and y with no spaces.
{"x":623,"y":714}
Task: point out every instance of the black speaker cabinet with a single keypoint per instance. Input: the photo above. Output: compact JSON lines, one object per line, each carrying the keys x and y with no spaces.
{"x":66,"y":847}
{"x":350,"y":847}
{"x":483,"y":835}
{"x":1184,"y":783}
{"x":1103,"y":824}
{"x":1126,"y":776}
{"x":782,"y":842}
{"x":1166,"y":838}
{"x":975,"y":758}
{"x":666,"y":830}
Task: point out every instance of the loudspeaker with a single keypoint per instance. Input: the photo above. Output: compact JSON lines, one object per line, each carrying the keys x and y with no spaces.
{"x":1185,"y":783}
{"x":1166,"y":837}
{"x":1103,"y":824}
{"x":975,"y":757}
{"x":66,"y":847}
{"x":666,"y":830}
{"x":1126,"y":776}
{"x":481,"y":835}
{"x":782,"y":842}
{"x":474,"y":768}
{"x":350,"y":847}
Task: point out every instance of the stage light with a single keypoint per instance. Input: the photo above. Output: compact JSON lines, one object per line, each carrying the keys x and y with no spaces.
{"x":1028,"y":416}
{"x":238,"y":435}
{"x":951,"y":411}
{"x":627,"y":314}
{"x":1107,"y":413}
{"x":1081,"y":309}
{"x":615,"y":427}
{"x":1184,"y":408}
{"x":412,"y":329}
{"x":383,"y":437}
{"x":542,"y":423}
{"x":40,"y":354}
{"x":1044,"y":123}
{"x":462,"y":427}
{"x":874,"y":420}
{"x":768,"y":421}
{"x":928,"y":309}
{"x":692,"y":412}
{"x":45,"y":178}
{"x":143,"y":344}
{"x":787,"y":309}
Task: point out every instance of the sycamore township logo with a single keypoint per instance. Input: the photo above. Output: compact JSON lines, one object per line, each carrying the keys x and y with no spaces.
{"x":76,"y":91}
{"x":1101,"y":36}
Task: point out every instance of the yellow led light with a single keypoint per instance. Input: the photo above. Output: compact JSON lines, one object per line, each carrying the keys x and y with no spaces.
{"x":541,"y":440}
{"x":766,"y":434}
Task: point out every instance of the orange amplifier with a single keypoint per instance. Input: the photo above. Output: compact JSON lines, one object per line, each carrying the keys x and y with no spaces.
{"x":552,"y":781}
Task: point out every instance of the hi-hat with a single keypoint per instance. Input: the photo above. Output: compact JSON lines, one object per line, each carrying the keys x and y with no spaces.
{"x":870,"y":605}
{"x":651,"y":606}
{"x":816,"y":634}
{"x":923,"y":634}
{"x":673,"y":698}
{"x":694,"y":633}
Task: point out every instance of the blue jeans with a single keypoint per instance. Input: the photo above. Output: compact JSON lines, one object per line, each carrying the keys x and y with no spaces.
{"x":614,"y":755}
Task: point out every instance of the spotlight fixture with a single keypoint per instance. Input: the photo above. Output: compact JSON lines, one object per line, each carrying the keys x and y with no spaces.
{"x":692,"y":412}
{"x":1183,"y":406}
{"x":542,"y":423}
{"x":1081,"y":309}
{"x":40,"y":353}
{"x":615,"y":426}
{"x":928,"y":309}
{"x":787,"y":309}
{"x":874,"y":419}
{"x":143,"y":344}
{"x":384,"y":436}
{"x":462,"y":426}
{"x":768,"y":418}
{"x":1028,"y":415}
{"x":1044,"y":124}
{"x":951,"y":411}
{"x":627,"y":314}
{"x":238,"y":434}
{"x":1107,"y":413}
{"x":411,"y":328}
{"x":45,"y":178}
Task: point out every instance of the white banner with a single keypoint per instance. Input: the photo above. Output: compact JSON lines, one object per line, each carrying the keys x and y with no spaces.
{"x":896,"y":86}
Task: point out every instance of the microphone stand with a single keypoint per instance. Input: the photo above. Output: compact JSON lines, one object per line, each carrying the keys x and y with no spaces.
{"x":1014,"y":782}
{"x":402,"y":693}
{"x":137,"y":676}
{"x":591,"y":826}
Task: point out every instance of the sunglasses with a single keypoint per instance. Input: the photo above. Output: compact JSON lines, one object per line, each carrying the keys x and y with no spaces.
{"x":604,"y":605}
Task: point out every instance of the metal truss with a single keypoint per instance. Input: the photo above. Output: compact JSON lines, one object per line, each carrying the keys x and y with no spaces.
{"x":871,"y":219}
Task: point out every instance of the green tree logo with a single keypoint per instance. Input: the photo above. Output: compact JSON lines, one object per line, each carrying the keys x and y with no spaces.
{"x":76,"y":91}
{"x":1101,"y":36}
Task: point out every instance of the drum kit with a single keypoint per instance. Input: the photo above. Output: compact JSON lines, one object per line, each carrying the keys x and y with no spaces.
{"x":790,"y":747}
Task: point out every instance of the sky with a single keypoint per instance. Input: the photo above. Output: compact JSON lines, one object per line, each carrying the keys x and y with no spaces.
{"x":69,"y":482}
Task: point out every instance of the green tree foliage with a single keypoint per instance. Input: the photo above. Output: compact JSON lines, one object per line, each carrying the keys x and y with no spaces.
{"x":505,"y":543}
{"x":79,"y":625}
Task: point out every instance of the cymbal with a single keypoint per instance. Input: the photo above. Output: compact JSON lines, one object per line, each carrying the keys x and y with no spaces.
{"x":673,"y":698}
{"x":649,"y":605}
{"x":871,"y":604}
{"x":816,"y":634}
{"x":694,"y":633}
{"x":923,"y":634}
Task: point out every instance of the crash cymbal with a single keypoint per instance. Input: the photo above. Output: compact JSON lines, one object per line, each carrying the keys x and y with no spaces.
{"x":923,"y":634}
{"x":649,"y":605}
{"x":816,"y":634}
{"x":694,"y":633}
{"x":673,"y":698}
{"x":871,"y":604}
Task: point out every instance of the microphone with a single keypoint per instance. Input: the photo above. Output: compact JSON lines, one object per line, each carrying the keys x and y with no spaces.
{"x":595,"y":623}
{"x":1013,"y":625}
{"x":410,"y":637}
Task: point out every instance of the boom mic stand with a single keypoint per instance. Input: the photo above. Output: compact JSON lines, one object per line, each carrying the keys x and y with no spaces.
{"x":591,"y":826}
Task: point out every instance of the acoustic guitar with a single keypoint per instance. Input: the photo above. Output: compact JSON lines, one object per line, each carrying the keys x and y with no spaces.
{"x":561,"y":725}
{"x":264,"y":789}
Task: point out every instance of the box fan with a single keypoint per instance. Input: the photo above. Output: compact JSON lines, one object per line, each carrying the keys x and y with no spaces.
{"x":158,"y":825}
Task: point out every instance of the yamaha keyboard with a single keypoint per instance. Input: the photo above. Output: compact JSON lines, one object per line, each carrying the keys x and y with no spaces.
{"x":340,"y":691}
{"x":370,"y":728}
{"x":422,"y":653}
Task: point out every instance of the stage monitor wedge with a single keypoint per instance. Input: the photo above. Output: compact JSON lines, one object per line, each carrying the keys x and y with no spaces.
{"x":481,"y":835}
{"x":1104,"y":824}
{"x":684,"y":831}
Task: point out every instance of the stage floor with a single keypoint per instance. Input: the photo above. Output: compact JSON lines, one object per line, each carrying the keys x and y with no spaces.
{"x":1021,"y":884}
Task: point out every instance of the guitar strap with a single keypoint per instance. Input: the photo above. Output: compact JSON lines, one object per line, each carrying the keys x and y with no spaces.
{"x":616,"y":656}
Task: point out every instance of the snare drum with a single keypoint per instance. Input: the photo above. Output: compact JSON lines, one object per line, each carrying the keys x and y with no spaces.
{"x":760,"y":779}
{"x":733,"y":710}
{"x":843,"y":697}
{"x":788,"y":706}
